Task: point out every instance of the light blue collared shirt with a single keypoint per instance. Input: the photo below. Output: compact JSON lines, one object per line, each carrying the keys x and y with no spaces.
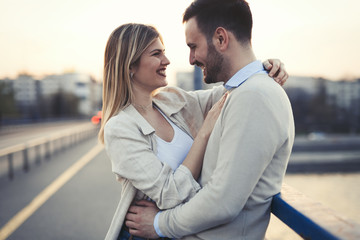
{"x":235,"y":81}
{"x":243,"y":74}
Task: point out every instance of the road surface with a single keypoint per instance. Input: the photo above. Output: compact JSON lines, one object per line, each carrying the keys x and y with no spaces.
{"x":74,"y":194}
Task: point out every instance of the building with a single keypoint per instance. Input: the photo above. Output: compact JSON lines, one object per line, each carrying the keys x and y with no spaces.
{"x":26,"y":94}
{"x":31,"y":95}
{"x":308,"y":85}
{"x":344,"y":94}
{"x":83,"y":86}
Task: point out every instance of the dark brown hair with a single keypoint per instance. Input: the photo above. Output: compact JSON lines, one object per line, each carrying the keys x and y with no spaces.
{"x":233,"y":15}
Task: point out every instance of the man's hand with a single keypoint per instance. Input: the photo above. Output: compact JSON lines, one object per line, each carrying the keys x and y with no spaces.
{"x":276,"y":70}
{"x":140,"y":219}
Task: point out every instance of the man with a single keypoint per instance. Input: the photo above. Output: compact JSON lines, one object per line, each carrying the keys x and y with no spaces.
{"x":248,"y":150}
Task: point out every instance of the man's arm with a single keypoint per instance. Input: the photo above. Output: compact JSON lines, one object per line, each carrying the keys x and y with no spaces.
{"x":250,"y":137}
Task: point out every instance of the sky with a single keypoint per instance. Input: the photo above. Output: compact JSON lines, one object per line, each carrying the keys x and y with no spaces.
{"x":317,"y":38}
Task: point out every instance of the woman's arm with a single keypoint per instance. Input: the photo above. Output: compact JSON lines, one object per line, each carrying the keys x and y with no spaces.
{"x":194,"y":159}
{"x":132,"y":158}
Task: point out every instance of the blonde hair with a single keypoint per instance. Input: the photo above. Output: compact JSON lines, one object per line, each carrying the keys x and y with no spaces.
{"x":123,"y":50}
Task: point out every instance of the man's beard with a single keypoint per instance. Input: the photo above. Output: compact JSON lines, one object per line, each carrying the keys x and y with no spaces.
{"x":214,"y":65}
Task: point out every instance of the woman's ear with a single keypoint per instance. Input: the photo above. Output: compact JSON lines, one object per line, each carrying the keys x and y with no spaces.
{"x":132,"y":71}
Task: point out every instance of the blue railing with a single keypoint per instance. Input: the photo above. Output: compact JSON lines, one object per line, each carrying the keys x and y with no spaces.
{"x":310,"y":219}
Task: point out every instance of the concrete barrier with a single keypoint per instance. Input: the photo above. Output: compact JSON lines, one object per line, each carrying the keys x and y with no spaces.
{"x":310,"y":219}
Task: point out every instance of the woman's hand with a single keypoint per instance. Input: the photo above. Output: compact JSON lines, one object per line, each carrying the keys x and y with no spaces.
{"x":212,"y":116}
{"x":195,"y":157}
{"x":276,"y":70}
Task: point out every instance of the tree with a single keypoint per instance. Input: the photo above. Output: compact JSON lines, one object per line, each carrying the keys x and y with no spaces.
{"x":7,"y":103}
{"x":64,"y":105}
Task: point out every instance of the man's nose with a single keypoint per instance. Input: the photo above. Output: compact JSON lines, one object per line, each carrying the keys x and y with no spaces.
{"x":192,"y":58}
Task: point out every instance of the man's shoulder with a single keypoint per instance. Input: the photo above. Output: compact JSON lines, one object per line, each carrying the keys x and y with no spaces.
{"x":261,"y":87}
{"x":260,"y":83}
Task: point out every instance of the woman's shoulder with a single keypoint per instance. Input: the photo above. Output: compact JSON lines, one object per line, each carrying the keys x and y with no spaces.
{"x":120,"y":120}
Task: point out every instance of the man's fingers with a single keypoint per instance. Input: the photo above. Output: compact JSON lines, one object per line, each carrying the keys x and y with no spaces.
{"x":132,"y":209}
{"x":132,"y":225}
{"x":130,"y":216}
{"x":134,"y":232}
{"x":145,"y":203}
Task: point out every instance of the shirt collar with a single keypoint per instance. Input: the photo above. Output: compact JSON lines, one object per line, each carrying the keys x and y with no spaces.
{"x":243,"y":74}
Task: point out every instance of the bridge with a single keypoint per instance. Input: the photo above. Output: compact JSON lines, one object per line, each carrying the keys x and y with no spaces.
{"x":56,"y":183}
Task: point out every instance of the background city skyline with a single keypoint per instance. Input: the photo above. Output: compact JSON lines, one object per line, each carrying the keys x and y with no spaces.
{"x":313,"y":38}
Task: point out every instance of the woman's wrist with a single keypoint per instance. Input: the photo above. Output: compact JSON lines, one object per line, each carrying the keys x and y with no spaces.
{"x":203,"y":134}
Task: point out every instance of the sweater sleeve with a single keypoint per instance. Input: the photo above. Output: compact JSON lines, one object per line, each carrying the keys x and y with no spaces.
{"x":132,"y":158}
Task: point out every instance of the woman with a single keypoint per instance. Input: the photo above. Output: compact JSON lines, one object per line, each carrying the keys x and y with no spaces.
{"x":155,"y":139}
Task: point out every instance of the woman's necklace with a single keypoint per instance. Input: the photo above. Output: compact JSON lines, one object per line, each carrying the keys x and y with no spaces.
{"x":143,"y":107}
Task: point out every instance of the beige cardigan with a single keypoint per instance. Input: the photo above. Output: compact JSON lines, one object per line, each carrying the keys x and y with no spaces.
{"x":131,"y":147}
{"x":244,"y":165}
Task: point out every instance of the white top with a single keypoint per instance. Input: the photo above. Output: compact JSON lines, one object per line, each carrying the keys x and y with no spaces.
{"x":173,"y":153}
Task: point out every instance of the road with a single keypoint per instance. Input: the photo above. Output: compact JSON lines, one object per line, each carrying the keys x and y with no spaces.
{"x":81,"y":208}
{"x":63,"y":203}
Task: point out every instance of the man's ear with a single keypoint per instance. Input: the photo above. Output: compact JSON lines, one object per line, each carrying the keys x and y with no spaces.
{"x":221,"y":38}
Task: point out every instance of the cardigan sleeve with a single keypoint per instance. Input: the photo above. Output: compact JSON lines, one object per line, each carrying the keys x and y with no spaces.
{"x":132,"y":158}
{"x":207,"y":98}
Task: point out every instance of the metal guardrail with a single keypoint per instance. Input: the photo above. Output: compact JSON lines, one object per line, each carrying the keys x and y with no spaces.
{"x":50,"y":144}
{"x":310,"y":219}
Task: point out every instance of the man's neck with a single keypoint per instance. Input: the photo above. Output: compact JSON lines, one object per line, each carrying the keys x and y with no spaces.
{"x":240,"y":60}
